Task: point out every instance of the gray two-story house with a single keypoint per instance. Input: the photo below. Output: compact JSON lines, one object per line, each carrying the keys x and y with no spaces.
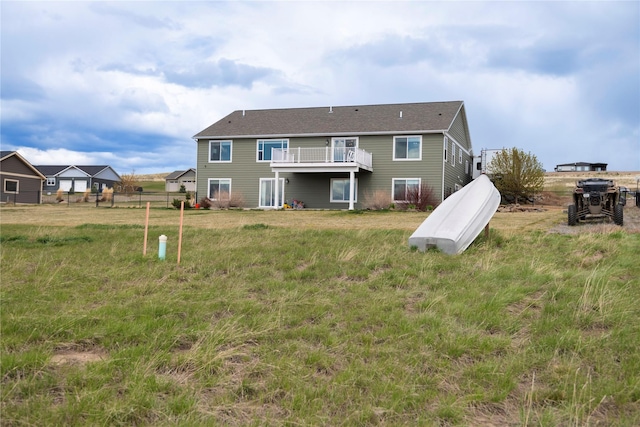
{"x":331,"y":157}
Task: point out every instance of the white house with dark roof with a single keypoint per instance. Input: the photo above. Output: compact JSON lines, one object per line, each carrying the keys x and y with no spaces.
{"x":334,"y":157}
{"x":176,"y":179}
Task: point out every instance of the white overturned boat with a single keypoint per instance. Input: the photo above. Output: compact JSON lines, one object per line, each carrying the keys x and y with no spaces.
{"x":458,"y":220}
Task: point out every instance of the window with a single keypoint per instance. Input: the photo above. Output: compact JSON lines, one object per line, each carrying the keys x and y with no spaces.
{"x":466,"y":167}
{"x":340,"y":190}
{"x":407,"y":148}
{"x":51,"y":182}
{"x":453,"y":153}
{"x":268,"y":194}
{"x":402,"y":186}
{"x":460,"y":155}
{"x":219,"y":151}
{"x":11,"y":186}
{"x":219,"y":189}
{"x":446,"y":148}
{"x":265,"y":147}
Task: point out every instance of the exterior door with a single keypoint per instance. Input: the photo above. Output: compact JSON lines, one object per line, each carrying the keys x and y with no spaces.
{"x":343,"y":149}
{"x":267,"y":192}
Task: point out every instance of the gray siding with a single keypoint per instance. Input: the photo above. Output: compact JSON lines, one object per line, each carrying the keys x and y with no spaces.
{"x":29,"y":184}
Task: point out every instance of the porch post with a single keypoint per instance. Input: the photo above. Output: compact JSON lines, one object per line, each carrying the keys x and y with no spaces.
{"x":276,"y":191}
{"x":352,"y":182}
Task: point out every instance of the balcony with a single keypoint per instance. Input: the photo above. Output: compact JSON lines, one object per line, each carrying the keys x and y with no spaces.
{"x":321,"y":159}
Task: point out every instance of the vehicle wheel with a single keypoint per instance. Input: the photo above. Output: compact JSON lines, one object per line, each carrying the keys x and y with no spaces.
{"x":618,"y":214}
{"x":573,"y":216}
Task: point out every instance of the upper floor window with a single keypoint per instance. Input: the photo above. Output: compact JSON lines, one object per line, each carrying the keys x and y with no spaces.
{"x":453,"y":153}
{"x":220,"y":151}
{"x":51,"y":182}
{"x":265,"y":147}
{"x":460,"y":155}
{"x":446,"y":148}
{"x":407,"y":148}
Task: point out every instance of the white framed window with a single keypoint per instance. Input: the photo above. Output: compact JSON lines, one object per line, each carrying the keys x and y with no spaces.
{"x":11,"y":186}
{"x":460,"y":155}
{"x":219,"y":188}
{"x":466,"y":167}
{"x":267,"y":192}
{"x":51,"y":182}
{"x":220,"y":151}
{"x":453,"y":153}
{"x":446,"y":148}
{"x":340,"y":188}
{"x":404,"y":186}
{"x":407,"y":148}
{"x":265,"y":147}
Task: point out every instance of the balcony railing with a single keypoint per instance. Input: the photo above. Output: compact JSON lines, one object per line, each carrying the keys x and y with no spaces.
{"x":322,"y":155}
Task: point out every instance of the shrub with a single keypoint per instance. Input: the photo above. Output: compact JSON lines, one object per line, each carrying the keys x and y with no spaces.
{"x":107,"y":195}
{"x":205,"y":203}
{"x":421,"y":199}
{"x":86,"y":194}
{"x":223,"y":200}
{"x":59,"y":194}
{"x":177,"y":202}
{"x":377,"y":200}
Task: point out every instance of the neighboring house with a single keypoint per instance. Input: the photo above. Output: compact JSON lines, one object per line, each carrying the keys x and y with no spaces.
{"x":21,"y":181}
{"x":581,"y":167}
{"x":78,"y":178}
{"x":334,"y":157}
{"x":175,"y":179}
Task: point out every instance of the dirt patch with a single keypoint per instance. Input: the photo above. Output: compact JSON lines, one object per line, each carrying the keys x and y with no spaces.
{"x":74,"y":357}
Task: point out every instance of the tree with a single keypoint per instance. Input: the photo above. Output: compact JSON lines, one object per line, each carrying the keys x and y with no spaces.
{"x":128,"y":183}
{"x":516,"y":173}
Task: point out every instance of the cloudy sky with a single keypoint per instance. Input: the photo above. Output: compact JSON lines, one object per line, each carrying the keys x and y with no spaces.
{"x":129,"y":83}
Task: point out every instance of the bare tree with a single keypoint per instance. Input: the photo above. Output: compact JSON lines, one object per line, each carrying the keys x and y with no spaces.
{"x":517,"y":174}
{"x":128,"y":183}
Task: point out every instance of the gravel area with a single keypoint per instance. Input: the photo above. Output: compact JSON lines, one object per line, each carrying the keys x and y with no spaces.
{"x":631,"y":223}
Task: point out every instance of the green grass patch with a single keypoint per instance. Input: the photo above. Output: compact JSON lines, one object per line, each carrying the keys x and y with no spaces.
{"x":279,"y":325}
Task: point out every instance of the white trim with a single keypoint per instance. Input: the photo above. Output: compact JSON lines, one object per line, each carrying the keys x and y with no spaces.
{"x":407,"y":159}
{"x":51,"y":182}
{"x":230,"y":151}
{"x":4,"y":186}
{"x":325,"y":135}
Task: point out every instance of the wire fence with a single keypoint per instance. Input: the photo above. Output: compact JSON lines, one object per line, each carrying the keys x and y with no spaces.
{"x":101,"y":200}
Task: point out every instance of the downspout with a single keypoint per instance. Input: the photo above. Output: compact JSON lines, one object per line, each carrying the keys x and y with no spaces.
{"x":276,"y":192}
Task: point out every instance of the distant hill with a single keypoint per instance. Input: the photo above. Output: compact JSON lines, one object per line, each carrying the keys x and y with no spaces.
{"x":153,"y":176}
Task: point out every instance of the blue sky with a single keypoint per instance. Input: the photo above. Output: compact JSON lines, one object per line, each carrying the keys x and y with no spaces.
{"x":129,"y":83}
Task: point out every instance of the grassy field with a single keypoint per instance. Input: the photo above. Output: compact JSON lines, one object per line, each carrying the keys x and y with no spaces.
{"x":314,"y":318}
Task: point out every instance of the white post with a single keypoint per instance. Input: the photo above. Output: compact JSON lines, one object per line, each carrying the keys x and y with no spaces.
{"x":276,"y":191}
{"x":352,"y":184}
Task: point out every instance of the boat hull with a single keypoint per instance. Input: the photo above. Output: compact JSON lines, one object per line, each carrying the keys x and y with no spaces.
{"x":459,"y":219}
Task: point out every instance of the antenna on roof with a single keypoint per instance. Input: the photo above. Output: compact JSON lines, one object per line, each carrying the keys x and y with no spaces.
{"x":331,"y":109}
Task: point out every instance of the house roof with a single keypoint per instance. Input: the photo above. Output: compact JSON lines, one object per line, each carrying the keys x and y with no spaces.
{"x":582,"y":164}
{"x":423,"y":117}
{"x":7,"y":154}
{"x":178,"y":174}
{"x":53,"y":170}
